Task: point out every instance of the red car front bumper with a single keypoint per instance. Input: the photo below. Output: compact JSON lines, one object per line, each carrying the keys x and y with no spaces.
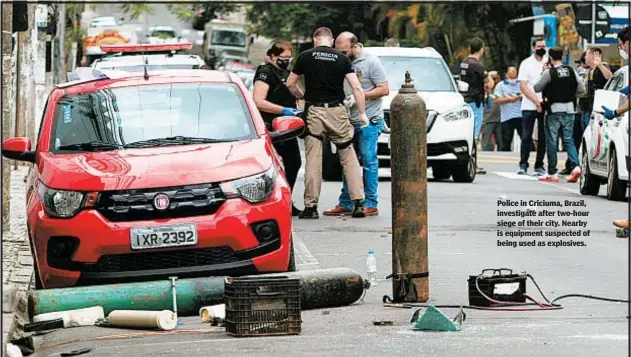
{"x":101,"y":250}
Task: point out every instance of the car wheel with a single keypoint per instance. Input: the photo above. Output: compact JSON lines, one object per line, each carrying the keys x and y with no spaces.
{"x":441,"y":171}
{"x":292,"y":257}
{"x":464,"y":171}
{"x":616,"y":188}
{"x":589,"y":184}
{"x":331,"y":167}
{"x":37,"y":281}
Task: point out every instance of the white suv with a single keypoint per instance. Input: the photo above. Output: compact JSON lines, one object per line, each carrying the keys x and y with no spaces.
{"x":450,"y":146}
{"x":605,"y":143}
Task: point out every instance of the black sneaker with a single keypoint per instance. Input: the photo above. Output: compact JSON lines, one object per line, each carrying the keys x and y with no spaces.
{"x":565,"y":171}
{"x":358,"y":211}
{"x":295,"y":212}
{"x":309,"y":213}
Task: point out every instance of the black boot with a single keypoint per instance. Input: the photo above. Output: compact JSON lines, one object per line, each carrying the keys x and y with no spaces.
{"x":309,"y":213}
{"x":358,"y":211}
{"x":295,"y":212}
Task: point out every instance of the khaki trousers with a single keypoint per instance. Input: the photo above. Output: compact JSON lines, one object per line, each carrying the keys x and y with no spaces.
{"x":334,"y":123}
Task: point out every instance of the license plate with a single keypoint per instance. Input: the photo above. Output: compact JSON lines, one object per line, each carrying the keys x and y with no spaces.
{"x":163,"y":236}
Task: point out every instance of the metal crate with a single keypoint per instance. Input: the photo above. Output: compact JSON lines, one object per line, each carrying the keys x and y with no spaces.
{"x":258,"y":306}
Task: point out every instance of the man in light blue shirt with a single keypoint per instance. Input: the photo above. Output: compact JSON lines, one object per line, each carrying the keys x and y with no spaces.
{"x":508,"y":96}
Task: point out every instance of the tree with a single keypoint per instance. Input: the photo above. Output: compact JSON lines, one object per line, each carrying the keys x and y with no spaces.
{"x":185,"y":12}
{"x":136,"y":10}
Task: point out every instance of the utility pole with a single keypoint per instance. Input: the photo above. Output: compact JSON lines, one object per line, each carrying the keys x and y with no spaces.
{"x":593,"y":23}
{"x":7,"y":106}
{"x":39,"y":71}
{"x":24,"y":76}
{"x":60,"y":45}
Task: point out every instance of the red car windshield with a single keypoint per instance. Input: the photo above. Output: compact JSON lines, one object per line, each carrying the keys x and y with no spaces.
{"x":120,"y":117}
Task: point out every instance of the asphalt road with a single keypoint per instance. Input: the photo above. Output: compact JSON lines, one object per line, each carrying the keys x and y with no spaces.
{"x":462,"y":242}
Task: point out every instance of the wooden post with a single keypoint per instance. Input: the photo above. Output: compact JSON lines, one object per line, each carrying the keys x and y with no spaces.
{"x":410,"y":282}
{"x":7,"y":107}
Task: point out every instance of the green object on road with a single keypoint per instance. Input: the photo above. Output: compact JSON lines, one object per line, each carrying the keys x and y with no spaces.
{"x":432,"y":319}
{"x":151,"y":295}
{"x":318,"y":289}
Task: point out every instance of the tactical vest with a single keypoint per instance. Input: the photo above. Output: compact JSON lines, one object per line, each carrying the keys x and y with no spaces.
{"x":562,"y":86}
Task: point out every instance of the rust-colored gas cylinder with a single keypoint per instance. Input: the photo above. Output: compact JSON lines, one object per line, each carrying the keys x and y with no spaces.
{"x":408,"y":158}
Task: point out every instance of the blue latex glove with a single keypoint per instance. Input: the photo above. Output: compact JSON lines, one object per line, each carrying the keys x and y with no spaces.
{"x":624,"y":90}
{"x":608,"y":113}
{"x":292,"y":112}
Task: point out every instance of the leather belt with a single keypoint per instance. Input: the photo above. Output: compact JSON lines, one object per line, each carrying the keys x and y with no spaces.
{"x":326,"y":104}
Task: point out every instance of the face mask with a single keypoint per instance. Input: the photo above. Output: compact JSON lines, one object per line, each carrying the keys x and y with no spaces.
{"x":282,"y":63}
{"x":540,"y":52}
{"x":624,"y":54}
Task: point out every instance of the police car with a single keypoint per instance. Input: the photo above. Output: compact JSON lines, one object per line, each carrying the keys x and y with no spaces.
{"x":134,"y":58}
{"x":605,"y":143}
{"x":451,"y":151}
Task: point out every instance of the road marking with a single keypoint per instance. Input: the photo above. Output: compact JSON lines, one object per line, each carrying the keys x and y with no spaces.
{"x":557,"y":185}
{"x":515,"y":176}
{"x":304,"y":259}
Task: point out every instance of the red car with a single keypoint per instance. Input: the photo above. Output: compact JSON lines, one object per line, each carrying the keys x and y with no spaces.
{"x":140,"y":177}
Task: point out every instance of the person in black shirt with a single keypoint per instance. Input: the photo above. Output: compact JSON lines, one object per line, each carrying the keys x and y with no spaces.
{"x":472,"y":72}
{"x":324,"y":70}
{"x":273,"y":99}
{"x":597,"y":77}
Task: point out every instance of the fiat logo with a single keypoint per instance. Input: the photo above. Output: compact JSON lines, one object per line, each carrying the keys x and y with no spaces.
{"x":161,"y":202}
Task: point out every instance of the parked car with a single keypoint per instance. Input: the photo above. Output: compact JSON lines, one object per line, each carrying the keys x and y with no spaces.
{"x":451,"y":151}
{"x":135,"y":58}
{"x":604,"y":149}
{"x":139,"y":179}
{"x":104,"y":21}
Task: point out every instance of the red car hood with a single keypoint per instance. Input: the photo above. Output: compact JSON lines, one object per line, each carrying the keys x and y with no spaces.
{"x":155,"y":167}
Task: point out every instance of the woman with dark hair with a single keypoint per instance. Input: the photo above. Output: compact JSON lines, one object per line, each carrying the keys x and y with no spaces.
{"x":273,"y":99}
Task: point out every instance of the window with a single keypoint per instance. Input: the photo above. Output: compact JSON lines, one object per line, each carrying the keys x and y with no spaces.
{"x":428,"y":74}
{"x":163,"y":34}
{"x":129,"y":114}
{"x":228,"y":38}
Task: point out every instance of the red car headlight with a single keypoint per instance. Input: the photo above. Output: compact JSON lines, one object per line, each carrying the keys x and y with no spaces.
{"x":254,"y":189}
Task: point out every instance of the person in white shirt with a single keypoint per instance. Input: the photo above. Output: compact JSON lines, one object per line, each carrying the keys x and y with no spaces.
{"x":531,"y":106}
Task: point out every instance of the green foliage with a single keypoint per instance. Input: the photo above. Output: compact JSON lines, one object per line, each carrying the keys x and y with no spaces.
{"x":136,"y":10}
{"x":185,"y":12}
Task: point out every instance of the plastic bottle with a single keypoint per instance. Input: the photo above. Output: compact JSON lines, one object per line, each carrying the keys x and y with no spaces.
{"x":371,"y":267}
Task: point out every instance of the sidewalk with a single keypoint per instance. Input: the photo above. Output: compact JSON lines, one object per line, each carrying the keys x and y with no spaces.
{"x":17,"y":262}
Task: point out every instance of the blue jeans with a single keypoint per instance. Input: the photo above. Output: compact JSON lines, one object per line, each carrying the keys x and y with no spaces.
{"x":368,"y":138}
{"x":478,"y":116}
{"x":560,"y":123}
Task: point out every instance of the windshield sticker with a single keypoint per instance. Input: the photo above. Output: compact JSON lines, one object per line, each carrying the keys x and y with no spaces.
{"x":67,"y":113}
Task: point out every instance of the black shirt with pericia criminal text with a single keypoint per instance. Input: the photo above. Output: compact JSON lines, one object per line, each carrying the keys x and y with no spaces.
{"x":325,"y":70}
{"x":472,"y":72}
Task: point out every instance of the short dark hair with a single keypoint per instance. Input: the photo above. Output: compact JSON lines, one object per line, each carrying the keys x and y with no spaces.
{"x":476,"y":44}
{"x":537,"y":39}
{"x":323,"y":32}
{"x":556,"y":53}
{"x":623,"y":35}
{"x":596,"y":50}
{"x":279,"y":47}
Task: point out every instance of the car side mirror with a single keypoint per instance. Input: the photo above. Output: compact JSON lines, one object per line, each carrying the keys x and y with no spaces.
{"x":18,"y":149}
{"x":286,"y":128}
{"x":463,"y":87}
{"x":607,"y":98}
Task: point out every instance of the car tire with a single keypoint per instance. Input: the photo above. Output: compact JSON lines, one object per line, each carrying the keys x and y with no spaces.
{"x":441,"y":171}
{"x":331,"y":167}
{"x":37,"y":281}
{"x":589,"y":184}
{"x":465,"y":171}
{"x":616,"y":188}
{"x":292,"y":257}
